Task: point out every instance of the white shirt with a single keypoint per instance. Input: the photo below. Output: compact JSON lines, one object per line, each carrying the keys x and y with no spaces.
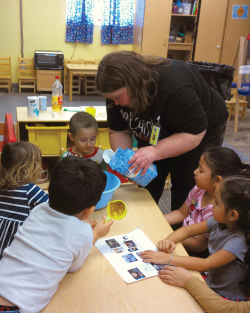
{"x":47,"y":246}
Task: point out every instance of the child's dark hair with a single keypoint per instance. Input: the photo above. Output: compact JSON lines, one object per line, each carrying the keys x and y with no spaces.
{"x":235,"y":194}
{"x":225,"y":162}
{"x":75,"y":185}
{"x":81,"y":120}
{"x":20,"y":164}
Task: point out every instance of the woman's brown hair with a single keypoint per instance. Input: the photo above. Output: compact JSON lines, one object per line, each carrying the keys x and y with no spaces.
{"x":131,"y":70}
{"x":20,"y":164}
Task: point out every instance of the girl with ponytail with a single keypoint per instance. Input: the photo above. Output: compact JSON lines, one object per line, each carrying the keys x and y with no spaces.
{"x":228,"y":245}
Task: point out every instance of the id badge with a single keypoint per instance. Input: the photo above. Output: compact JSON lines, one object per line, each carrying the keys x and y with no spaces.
{"x":155,"y":133}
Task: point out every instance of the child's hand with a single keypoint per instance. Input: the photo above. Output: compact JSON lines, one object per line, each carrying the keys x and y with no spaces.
{"x":165,"y":246}
{"x":91,"y":222}
{"x":150,"y":256}
{"x":175,"y":276}
{"x":101,"y":229}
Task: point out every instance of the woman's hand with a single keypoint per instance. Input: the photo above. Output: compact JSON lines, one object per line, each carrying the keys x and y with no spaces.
{"x":166,"y":246}
{"x":175,"y":276}
{"x":143,"y":158}
{"x":156,"y":257}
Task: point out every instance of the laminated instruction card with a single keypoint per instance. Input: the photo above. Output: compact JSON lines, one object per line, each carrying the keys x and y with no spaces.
{"x":123,"y":253}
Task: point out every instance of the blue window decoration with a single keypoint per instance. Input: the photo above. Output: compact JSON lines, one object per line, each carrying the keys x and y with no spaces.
{"x":80,"y":21}
{"x":117,"y":22}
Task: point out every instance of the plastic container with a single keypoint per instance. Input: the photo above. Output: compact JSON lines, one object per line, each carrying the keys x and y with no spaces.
{"x":50,"y":139}
{"x":187,"y":8}
{"x":180,"y":7}
{"x":112,"y":184}
{"x":118,"y":161}
{"x":33,"y":106}
{"x":244,"y":92}
{"x":57,"y":95}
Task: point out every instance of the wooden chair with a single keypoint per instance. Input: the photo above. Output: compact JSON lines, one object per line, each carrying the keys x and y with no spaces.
{"x":5,"y":73}
{"x":231,"y":104}
{"x":26,"y":74}
{"x":76,"y":78}
{"x":89,"y":84}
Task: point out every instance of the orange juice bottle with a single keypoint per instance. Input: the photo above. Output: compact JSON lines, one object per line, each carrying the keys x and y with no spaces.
{"x":57,"y":95}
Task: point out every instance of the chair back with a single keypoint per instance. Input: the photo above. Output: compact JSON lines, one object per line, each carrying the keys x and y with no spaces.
{"x":26,"y":67}
{"x":5,"y":66}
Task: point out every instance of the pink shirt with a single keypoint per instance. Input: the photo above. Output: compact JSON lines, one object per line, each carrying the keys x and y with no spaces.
{"x":196,"y":213}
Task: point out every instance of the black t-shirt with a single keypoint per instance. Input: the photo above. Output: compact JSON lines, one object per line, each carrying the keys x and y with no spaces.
{"x":184,"y":102}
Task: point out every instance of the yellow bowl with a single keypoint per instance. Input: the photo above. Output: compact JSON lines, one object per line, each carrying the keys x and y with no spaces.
{"x":117,"y":209}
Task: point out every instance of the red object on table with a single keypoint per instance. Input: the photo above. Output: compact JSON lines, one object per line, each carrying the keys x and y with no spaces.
{"x":122,"y":178}
{"x":248,"y":37}
{"x":9,"y":131}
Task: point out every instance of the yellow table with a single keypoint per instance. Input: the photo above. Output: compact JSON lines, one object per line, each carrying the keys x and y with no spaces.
{"x":97,"y":287}
{"x":77,"y":69}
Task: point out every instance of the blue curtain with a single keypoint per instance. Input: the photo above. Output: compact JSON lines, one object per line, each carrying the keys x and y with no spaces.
{"x":117,"y":22}
{"x":80,"y":21}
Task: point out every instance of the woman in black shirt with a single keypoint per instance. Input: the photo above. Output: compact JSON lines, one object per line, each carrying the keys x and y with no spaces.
{"x":143,"y":91}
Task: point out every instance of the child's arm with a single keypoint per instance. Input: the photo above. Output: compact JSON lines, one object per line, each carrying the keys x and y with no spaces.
{"x":177,"y":216}
{"x":218,"y":259}
{"x":101,"y":229}
{"x":195,"y":244}
{"x":36,"y":196}
{"x":168,"y":244}
{"x":210,"y":301}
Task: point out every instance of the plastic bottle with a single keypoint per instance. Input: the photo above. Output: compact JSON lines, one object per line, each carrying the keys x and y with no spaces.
{"x":180,"y":7}
{"x":57,"y":95}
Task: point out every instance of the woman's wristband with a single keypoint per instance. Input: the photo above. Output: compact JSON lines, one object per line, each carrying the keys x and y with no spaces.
{"x":169,"y":263}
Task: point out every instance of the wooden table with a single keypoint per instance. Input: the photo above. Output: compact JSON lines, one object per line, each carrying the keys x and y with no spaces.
{"x":97,"y":288}
{"x":77,"y":69}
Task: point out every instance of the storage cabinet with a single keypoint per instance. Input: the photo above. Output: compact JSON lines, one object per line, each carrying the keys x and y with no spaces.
{"x":46,"y":78}
{"x":153,"y":23}
{"x":218,"y":33}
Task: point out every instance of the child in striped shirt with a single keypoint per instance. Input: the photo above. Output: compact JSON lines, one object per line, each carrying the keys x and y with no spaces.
{"x":20,"y":169}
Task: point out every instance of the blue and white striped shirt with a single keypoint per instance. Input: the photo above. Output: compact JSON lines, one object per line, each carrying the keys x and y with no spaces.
{"x":15,"y":207}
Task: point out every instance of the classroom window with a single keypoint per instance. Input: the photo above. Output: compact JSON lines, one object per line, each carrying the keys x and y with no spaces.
{"x":117,"y":24}
{"x":80,"y":21}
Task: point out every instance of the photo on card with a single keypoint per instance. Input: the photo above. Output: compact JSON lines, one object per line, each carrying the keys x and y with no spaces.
{"x":130,"y":243}
{"x":112,"y":243}
{"x":118,"y":250}
{"x":129,"y":258}
{"x":138,"y":253}
{"x":158,"y":267}
{"x":136,"y":273}
{"x":132,"y":249}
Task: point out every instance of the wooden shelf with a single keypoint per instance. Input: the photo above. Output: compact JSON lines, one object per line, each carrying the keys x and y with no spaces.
{"x":183,"y":15}
{"x":180,"y":46}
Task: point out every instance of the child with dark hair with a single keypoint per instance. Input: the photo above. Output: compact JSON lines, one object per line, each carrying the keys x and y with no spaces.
{"x":83,"y":129}
{"x":20,"y":169}
{"x":54,"y":239}
{"x":229,"y":241}
{"x":216,"y":164}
